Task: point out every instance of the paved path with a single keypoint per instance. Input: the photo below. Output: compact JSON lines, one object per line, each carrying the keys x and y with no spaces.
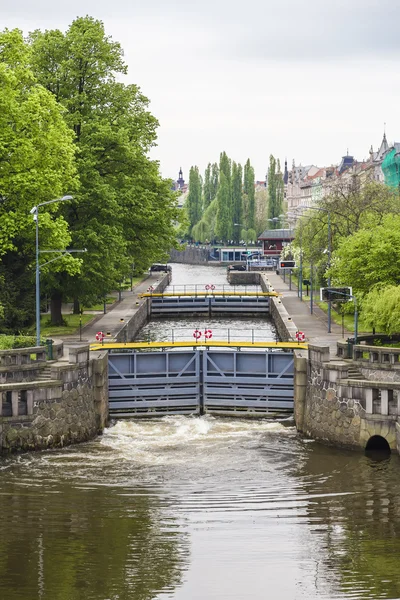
{"x":315,"y":325}
{"x":124,"y":309}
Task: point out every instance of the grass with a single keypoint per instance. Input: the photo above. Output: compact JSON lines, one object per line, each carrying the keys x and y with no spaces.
{"x":72,"y":325}
{"x":348,"y":320}
{"x":111,"y":299}
{"x":135,"y":280}
{"x":100,"y":305}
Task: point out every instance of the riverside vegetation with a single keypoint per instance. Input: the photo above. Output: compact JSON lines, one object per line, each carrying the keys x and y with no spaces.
{"x":69,"y":125}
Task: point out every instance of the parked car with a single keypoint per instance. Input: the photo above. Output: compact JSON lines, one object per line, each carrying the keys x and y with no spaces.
{"x":160,"y":267}
{"x":236,"y":267}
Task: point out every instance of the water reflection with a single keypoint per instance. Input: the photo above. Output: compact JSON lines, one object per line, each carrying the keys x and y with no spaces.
{"x":360,"y":530}
{"x":77,"y":525}
{"x":190,"y":508}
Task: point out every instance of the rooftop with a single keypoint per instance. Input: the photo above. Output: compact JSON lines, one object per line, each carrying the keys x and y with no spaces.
{"x":277,"y":234}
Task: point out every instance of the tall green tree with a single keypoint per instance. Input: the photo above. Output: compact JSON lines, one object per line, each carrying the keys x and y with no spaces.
{"x":369,"y":257}
{"x":214,"y":181}
{"x":249,"y":190}
{"x":275,"y":191}
{"x":225,"y":166}
{"x":207,"y":190}
{"x":36,"y":165}
{"x":193,"y":202}
{"x":224,"y":224}
{"x":237,"y":209}
{"x":124,"y":212}
{"x":224,"y":196}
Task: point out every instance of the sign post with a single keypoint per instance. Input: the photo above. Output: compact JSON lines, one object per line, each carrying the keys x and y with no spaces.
{"x":341,"y":294}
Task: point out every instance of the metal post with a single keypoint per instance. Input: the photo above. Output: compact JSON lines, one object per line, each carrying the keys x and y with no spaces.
{"x":355,"y":321}
{"x":290,"y":279}
{"x":37,"y":280}
{"x":300,"y":288}
{"x":35,"y":212}
{"x":342,"y":322}
{"x":329,"y":265}
{"x":80,"y":325}
{"x":312,"y":288}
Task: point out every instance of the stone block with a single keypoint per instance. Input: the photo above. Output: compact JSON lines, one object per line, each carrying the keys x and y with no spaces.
{"x":54,"y":393}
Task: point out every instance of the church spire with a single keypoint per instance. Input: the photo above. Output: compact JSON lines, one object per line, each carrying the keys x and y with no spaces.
{"x":286,"y":173}
{"x":181,"y":181}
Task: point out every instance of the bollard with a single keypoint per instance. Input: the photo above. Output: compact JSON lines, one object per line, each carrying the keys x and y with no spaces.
{"x":49,"y":349}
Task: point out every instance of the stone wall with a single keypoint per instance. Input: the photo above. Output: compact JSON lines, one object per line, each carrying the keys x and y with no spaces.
{"x":70,"y":405}
{"x":347,"y":412}
{"x":327,"y":416}
{"x":190,"y":256}
{"x":243,"y":277}
{"x":283,"y":321}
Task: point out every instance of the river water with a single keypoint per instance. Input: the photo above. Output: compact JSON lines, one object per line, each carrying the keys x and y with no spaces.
{"x":199,"y":508}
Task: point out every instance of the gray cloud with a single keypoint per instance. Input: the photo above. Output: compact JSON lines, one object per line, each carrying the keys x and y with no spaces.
{"x":298,"y":79}
{"x":256,"y":29}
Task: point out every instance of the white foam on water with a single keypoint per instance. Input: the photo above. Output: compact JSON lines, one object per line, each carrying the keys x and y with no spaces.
{"x":175,"y":439}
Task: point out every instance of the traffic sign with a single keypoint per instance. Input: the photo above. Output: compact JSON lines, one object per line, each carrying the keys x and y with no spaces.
{"x":336,"y":294}
{"x":287,"y":264}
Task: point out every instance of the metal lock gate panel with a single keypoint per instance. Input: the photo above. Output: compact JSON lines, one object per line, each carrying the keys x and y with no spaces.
{"x":253,"y":382}
{"x":200,"y":381}
{"x":154,"y":383}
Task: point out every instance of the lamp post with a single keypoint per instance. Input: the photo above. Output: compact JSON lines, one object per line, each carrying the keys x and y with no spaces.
{"x":276,"y":220}
{"x":241,"y":225}
{"x":329,"y":251}
{"x":35,"y":212}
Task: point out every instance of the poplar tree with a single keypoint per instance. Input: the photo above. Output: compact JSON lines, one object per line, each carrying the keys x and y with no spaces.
{"x":225,"y":166}
{"x":207,"y":189}
{"x":249,"y":181}
{"x":214,"y":182}
{"x":223,"y":227}
{"x":193,"y":202}
{"x":275,"y":191}
{"x":237,"y":210}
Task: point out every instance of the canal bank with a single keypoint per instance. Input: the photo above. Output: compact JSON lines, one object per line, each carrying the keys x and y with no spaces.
{"x":64,"y":400}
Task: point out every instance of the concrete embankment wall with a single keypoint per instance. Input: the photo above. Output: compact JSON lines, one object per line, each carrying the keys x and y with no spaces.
{"x":287,"y":332}
{"x":190,"y":256}
{"x":47,"y":405}
{"x":349,"y":411}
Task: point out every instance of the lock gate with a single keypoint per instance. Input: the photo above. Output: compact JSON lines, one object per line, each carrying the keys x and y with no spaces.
{"x":199,"y":381}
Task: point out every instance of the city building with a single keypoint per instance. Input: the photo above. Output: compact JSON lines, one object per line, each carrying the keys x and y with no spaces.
{"x":274,"y":240}
{"x":306,"y":186}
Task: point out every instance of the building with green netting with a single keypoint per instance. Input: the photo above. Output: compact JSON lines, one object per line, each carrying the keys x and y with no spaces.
{"x":391,"y":166}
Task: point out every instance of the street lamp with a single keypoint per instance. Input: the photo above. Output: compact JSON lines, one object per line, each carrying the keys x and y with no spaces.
{"x":241,"y":225}
{"x":281,"y":218}
{"x":35,"y":212}
{"x":329,"y":251}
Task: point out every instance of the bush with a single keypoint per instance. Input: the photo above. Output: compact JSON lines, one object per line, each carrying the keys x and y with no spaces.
{"x":11,"y":342}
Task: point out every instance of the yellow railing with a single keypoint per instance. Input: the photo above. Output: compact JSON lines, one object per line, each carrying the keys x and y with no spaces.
{"x":193,"y":344}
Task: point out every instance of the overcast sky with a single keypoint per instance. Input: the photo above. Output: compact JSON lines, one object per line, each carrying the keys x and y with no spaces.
{"x":304,"y":80}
